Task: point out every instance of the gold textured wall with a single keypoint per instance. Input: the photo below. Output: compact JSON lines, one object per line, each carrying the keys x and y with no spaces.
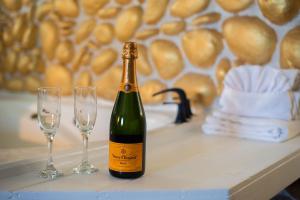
{"x":182,"y":43}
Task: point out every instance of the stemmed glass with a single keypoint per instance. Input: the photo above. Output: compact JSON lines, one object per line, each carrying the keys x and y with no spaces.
{"x":48,"y":109}
{"x":85,"y":110}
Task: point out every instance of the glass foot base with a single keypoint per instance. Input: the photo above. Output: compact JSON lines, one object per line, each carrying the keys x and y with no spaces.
{"x":85,"y":168}
{"x":50,"y":173}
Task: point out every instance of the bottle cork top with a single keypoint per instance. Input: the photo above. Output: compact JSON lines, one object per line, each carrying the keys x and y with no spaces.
{"x":129,"y":50}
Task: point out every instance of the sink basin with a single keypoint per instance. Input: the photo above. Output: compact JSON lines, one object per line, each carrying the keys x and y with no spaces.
{"x":18,"y":129}
{"x":19,"y":132}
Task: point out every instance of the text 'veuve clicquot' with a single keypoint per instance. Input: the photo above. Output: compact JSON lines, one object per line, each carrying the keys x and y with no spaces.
{"x":127,"y":137}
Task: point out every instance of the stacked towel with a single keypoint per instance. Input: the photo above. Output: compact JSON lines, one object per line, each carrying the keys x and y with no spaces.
{"x":257,"y":103}
{"x":272,"y":130}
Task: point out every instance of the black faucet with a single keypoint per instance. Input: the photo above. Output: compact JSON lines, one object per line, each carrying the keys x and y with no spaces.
{"x":184,"y":108}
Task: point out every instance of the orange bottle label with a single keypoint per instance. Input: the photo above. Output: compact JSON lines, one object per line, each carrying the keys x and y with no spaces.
{"x":125,"y":157}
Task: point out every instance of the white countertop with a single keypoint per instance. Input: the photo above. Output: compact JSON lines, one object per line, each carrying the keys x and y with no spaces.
{"x":181,"y":163}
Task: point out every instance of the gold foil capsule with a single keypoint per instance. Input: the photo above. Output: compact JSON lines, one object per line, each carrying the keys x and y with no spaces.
{"x":167,"y":58}
{"x":146,"y":33}
{"x":235,"y":5}
{"x":142,"y":62}
{"x":64,"y":52}
{"x":66,"y":8}
{"x":106,"y":13}
{"x":128,"y":21}
{"x":12,"y":5}
{"x":29,"y":37}
{"x":290,"y":49}
{"x":199,"y":88}
{"x":59,"y":76}
{"x":129,"y":50}
{"x":49,"y":37}
{"x":187,"y":8}
{"x":154,"y":11}
{"x":210,"y":43}
{"x":84,"y":30}
{"x":279,"y":12}
{"x":92,"y":6}
{"x":149,"y":88}
{"x":106,"y":88}
{"x":104,"y":60}
{"x":84,"y":79}
{"x":14,"y":84}
{"x":207,"y":18}
{"x":173,"y":28}
{"x":250,"y":39}
{"x":32,"y":83}
{"x":104,"y":33}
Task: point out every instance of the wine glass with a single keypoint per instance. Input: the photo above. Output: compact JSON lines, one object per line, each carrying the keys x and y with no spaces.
{"x":48,"y":109}
{"x":85,"y":110}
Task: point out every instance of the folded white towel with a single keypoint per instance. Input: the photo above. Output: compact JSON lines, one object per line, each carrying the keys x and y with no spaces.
{"x":257,"y":103}
{"x":272,"y":130}
{"x":255,"y":91}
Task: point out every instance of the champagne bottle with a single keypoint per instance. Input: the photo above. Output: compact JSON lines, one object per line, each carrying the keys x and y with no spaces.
{"x":127,"y":137}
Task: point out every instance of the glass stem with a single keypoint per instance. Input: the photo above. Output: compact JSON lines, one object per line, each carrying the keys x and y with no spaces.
{"x":50,"y":138}
{"x":85,"y":147}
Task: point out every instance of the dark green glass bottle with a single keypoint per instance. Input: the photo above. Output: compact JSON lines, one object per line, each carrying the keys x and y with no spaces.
{"x":127,"y":136}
